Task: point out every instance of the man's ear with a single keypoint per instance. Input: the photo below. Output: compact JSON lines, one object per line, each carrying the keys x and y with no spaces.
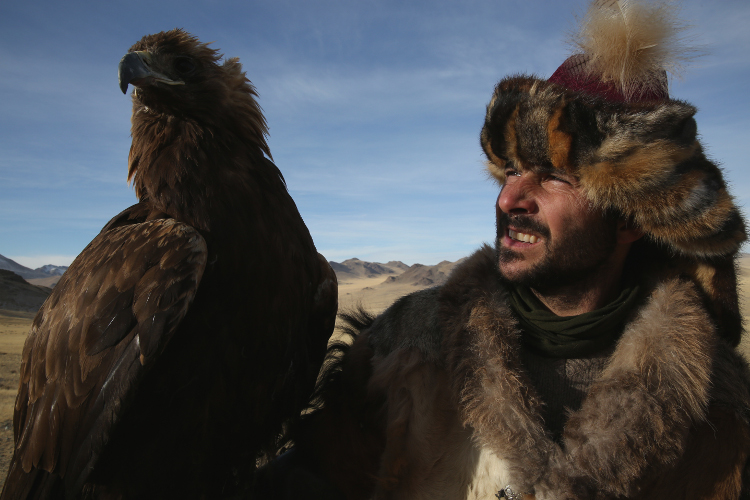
{"x":627,"y":231}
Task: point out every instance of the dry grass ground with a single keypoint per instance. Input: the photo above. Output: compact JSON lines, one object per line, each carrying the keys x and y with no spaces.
{"x":14,"y":326}
{"x":375,"y":298}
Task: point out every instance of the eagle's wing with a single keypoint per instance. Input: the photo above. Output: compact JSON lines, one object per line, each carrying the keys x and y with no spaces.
{"x":103,"y":326}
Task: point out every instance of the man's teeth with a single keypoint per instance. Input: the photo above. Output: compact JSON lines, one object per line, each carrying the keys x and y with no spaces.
{"x":526,"y":238}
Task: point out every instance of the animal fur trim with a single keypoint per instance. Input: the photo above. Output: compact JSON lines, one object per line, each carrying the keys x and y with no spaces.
{"x":639,"y":417}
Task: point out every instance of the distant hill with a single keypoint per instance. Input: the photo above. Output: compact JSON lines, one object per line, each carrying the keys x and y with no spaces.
{"x":47,"y":275}
{"x":425,"y":276}
{"x":22,"y":271}
{"x":393,"y":272}
{"x":52,"y":269}
{"x":16,"y":294}
{"x":376,"y":286}
{"x":353,"y":269}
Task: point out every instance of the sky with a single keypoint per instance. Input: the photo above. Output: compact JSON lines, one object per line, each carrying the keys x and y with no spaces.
{"x":374,"y":110}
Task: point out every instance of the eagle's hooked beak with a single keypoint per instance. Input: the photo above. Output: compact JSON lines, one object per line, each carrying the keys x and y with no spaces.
{"x":135,"y":69}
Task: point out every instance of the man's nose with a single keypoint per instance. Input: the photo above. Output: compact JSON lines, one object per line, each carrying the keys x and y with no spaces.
{"x":516,"y":198}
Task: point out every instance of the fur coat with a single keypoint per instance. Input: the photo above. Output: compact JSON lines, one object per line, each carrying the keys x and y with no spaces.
{"x":432,"y":402}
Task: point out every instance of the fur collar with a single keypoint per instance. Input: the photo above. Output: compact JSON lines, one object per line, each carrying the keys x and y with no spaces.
{"x":636,"y":418}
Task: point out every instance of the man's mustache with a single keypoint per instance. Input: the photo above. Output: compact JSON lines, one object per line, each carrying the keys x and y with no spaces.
{"x":522,"y":223}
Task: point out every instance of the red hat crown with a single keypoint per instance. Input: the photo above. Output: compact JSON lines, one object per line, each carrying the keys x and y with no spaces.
{"x":574,"y":75}
{"x":624,"y":49}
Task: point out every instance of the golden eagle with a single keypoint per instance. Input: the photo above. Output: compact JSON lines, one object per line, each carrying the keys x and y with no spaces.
{"x":193,"y":326}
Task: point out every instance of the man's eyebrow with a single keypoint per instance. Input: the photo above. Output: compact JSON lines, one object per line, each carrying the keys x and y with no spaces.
{"x":548,"y":168}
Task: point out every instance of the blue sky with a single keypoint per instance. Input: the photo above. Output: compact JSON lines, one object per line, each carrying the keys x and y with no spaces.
{"x":374,"y":109}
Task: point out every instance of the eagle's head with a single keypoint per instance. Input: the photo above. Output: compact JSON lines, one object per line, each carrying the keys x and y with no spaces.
{"x":177,"y":77}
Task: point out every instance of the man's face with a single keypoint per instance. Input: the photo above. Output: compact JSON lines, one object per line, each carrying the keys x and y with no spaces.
{"x":547,"y":234}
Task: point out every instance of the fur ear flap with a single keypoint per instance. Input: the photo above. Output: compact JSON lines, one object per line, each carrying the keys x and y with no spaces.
{"x":651,"y":167}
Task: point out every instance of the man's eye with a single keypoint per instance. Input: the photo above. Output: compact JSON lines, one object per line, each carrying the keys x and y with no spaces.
{"x":557,"y":179}
{"x":511,"y":173}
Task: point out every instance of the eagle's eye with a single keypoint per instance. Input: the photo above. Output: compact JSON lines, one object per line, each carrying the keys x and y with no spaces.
{"x":184,"y":65}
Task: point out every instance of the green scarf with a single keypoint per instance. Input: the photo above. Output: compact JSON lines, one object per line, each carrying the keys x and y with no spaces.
{"x":570,"y":336}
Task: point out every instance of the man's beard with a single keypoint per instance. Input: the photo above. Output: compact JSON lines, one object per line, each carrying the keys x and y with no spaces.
{"x":573,"y":257}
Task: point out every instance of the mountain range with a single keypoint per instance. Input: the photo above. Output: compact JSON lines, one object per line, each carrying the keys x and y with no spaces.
{"x":25,"y":289}
{"x":46,"y":275}
{"x":352,"y":269}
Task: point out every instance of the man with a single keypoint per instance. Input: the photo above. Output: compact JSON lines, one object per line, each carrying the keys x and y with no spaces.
{"x":591,"y":354}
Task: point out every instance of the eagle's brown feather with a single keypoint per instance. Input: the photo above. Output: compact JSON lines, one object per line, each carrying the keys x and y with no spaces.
{"x":194,"y":325}
{"x":104,"y":324}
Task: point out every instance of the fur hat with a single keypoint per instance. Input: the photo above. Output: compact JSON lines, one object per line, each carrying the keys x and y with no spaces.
{"x":633,"y":149}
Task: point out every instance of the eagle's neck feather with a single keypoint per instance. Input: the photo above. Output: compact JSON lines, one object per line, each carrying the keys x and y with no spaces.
{"x":191,"y":170}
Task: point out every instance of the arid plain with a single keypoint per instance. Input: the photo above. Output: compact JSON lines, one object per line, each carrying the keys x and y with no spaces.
{"x":373,"y":285}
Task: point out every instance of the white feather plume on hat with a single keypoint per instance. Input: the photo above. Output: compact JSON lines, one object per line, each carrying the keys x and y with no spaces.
{"x":632,"y":44}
